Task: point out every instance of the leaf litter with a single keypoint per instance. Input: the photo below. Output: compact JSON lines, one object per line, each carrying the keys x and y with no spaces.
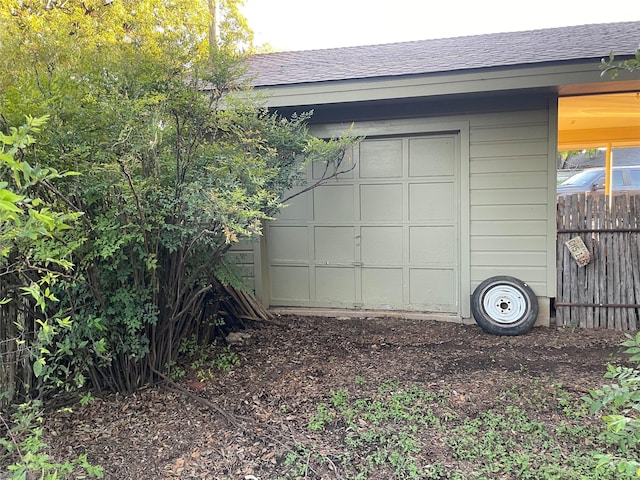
{"x":287,"y":370}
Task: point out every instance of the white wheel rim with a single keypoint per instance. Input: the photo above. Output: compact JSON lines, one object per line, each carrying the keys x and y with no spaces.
{"x":504,"y":304}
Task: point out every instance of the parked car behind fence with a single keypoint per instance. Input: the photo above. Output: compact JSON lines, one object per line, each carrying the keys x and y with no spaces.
{"x":624,"y":179}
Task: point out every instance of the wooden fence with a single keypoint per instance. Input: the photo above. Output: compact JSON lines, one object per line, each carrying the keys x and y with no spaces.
{"x":16,"y":374}
{"x":606,"y":292}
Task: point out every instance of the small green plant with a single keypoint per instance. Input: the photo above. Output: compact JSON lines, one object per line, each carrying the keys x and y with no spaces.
{"x":324,"y":416}
{"x":205,"y":360}
{"x":390,"y":430}
{"x":620,"y":404}
{"x":227,"y":359}
{"x":571,"y":407}
{"x":339,"y":398}
{"x":189,"y":346}
{"x":292,"y":461}
{"x":86,"y":399}
{"x":383,"y":430}
{"x":296,"y":461}
{"x":174,"y":370}
{"x":24,"y":448}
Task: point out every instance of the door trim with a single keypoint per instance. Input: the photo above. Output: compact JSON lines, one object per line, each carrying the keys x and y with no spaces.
{"x":401,"y":127}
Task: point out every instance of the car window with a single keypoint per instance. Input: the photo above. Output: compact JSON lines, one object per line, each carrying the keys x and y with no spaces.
{"x":635,"y":178}
{"x":618,"y":181}
{"x":584,"y":178}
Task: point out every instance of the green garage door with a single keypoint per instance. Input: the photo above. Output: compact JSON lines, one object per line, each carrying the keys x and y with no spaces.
{"x":384,"y":236}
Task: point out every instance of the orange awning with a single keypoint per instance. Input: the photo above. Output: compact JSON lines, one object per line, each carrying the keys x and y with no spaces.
{"x":592,"y":121}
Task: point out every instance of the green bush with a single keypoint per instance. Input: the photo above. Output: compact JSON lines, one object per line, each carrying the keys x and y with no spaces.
{"x":619,"y":402}
{"x":179,"y":161}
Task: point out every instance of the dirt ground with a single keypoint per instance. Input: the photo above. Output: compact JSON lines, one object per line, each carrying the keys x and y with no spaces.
{"x":287,"y":370}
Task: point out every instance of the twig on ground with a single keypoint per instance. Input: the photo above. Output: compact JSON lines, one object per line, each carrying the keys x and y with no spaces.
{"x":306,"y":468}
{"x":335,"y":468}
{"x":12,"y":439}
{"x":174,"y":387}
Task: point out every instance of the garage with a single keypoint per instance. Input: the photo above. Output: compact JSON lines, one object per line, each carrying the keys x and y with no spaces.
{"x":384,"y":236}
{"x":455,"y":183}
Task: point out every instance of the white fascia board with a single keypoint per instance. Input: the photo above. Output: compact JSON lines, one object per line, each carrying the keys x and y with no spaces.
{"x":521,"y":78}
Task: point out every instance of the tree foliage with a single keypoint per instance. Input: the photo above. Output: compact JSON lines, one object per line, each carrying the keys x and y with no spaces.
{"x":612,"y":67}
{"x":24,"y":216}
{"x":177,"y":160}
{"x":563,"y":158}
{"x":34,"y":253}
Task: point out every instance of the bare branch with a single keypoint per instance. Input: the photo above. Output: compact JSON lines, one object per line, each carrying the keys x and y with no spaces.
{"x":321,"y":181}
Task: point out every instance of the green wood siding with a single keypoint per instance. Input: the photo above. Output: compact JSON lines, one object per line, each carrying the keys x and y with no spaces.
{"x":509,"y":196}
{"x":506,"y":187}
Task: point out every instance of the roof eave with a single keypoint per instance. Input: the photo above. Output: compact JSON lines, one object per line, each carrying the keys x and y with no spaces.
{"x":569,"y":78}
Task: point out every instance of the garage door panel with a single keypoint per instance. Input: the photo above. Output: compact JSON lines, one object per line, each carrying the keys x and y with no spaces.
{"x":318,"y":169}
{"x":297,"y":207}
{"x":288,"y":244}
{"x":334,"y":244}
{"x":434,"y":287}
{"x":383,"y":236}
{"x":381,"y":245}
{"x":432,"y":201}
{"x":381,"y":202}
{"x":289,"y":284}
{"x":431,"y":156}
{"x":432,"y":244}
{"x":381,"y":158}
{"x":382,"y":287}
{"x":333,"y":203}
{"x":335,"y":286}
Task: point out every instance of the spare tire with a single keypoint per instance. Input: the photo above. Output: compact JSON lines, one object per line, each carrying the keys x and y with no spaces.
{"x":504,"y":305}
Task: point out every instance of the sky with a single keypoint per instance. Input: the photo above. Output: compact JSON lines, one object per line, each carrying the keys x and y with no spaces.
{"x":316,"y":24}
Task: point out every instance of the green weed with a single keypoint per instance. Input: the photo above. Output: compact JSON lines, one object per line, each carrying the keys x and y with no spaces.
{"x":204,"y":360}
{"x":324,"y":416}
{"x":25,"y":449}
{"x":384,"y":432}
{"x":619,"y":402}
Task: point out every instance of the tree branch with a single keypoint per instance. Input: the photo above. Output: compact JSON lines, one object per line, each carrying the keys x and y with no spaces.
{"x":173,"y":386}
{"x":318,"y":183}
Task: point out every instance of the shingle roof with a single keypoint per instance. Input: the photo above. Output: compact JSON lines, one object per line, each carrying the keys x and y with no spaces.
{"x":446,"y":54}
